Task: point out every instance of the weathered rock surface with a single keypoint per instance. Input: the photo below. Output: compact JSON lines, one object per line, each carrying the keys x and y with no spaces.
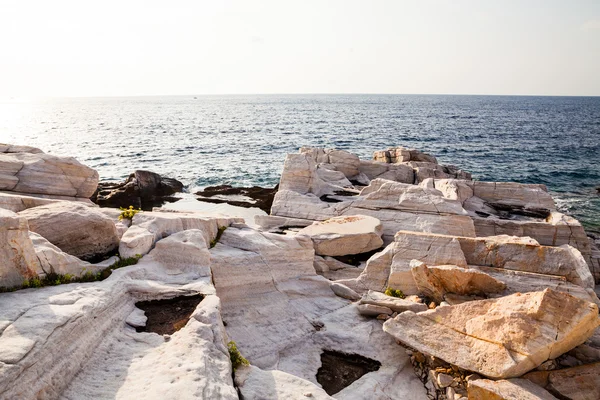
{"x":577,"y":383}
{"x":75,"y":335}
{"x":391,"y":268}
{"x":512,"y":389}
{"x":76,"y":229}
{"x":313,"y":188}
{"x":26,"y":169}
{"x":282,"y":315}
{"x":142,"y":189}
{"x":435,"y":281}
{"x":149,"y":227}
{"x":340,"y":236}
{"x":17,"y":255}
{"x":499,"y":338}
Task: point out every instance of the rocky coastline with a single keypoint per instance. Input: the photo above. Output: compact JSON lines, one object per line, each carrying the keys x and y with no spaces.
{"x":390,"y":278}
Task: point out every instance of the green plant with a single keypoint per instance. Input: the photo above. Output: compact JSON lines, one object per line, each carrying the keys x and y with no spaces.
{"x":237,"y":359}
{"x":125,"y":262}
{"x":128,"y":212}
{"x":54,"y":279}
{"x":220,"y":231}
{"x":394,"y":293}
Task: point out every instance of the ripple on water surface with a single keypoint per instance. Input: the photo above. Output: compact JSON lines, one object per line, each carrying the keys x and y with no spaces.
{"x":242,"y":140}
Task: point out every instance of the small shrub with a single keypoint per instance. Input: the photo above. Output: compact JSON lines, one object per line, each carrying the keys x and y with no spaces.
{"x":237,"y":359}
{"x":394,"y":293}
{"x":220,"y":231}
{"x":128,"y":212}
{"x":125,"y":262}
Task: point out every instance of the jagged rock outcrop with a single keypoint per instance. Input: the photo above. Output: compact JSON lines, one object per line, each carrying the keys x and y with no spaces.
{"x":425,"y":165}
{"x":341,"y":236}
{"x":142,"y":189}
{"x":28,"y":170}
{"x":391,"y":268}
{"x":76,"y":229}
{"x":499,"y":338}
{"x":516,"y":209}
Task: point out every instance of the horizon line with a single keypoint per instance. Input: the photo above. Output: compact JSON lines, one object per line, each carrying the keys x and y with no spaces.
{"x":9,"y":98}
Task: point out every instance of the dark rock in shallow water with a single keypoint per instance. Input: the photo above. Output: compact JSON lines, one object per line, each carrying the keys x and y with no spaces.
{"x":247,"y":197}
{"x":143,"y":189}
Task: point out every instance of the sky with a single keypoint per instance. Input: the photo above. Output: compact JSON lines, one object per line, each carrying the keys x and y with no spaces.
{"x":179,"y":47}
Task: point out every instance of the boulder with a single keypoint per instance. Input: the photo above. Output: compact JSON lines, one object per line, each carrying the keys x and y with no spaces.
{"x":435,"y":281}
{"x":511,"y":389}
{"x":76,"y":229}
{"x":373,"y":310}
{"x":17,"y":255}
{"x":577,"y":383}
{"x":344,"y":291}
{"x":54,"y":260}
{"x":27,"y":170}
{"x":499,"y":338}
{"x":395,"y":304}
{"x":340,"y":236}
{"x":142,"y":189}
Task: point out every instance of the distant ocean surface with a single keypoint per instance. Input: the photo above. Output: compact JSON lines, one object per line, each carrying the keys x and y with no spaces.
{"x":242,"y":140}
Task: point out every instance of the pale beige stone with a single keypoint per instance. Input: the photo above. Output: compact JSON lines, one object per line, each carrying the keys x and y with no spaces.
{"x":339,"y":236}
{"x":436,"y":281}
{"x":499,"y":338}
{"x":41,"y":173}
{"x":511,"y":389}
{"x":76,"y":229}
{"x":17,"y":255}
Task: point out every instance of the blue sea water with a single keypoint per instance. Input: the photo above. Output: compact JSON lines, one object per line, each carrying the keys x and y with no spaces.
{"x":242,"y":140}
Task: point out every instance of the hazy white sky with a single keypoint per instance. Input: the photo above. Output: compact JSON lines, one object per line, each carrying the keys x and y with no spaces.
{"x":143,"y":47}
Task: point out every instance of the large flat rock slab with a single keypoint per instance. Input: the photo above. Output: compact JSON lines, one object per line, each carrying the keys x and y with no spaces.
{"x":499,"y":338}
{"x":28,"y":170}
{"x":340,"y":236}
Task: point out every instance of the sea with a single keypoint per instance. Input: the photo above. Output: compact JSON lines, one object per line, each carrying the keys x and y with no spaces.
{"x":243,"y":139}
